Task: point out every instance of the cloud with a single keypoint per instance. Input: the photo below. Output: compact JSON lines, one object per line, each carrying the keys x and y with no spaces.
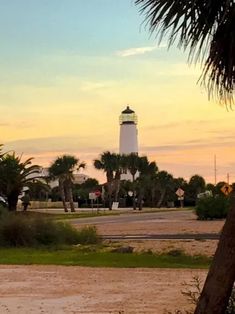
{"x":138,"y":51}
{"x":59,"y":145}
{"x":188,"y":145}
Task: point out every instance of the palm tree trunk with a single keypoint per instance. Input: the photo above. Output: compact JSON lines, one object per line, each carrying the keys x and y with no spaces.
{"x":62,"y":195}
{"x":161,"y":198}
{"x":70,"y":196}
{"x":134,"y":193}
{"x":153,"y":197}
{"x":134,"y":200}
{"x":117,"y":189}
{"x":109,"y":190}
{"x":221,"y":276}
{"x":140,"y":200}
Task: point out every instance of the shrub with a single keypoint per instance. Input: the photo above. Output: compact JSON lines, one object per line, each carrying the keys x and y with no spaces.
{"x":214,"y":207}
{"x":88,"y":235}
{"x":3,"y":211}
{"x":18,"y":230}
{"x":15,"y":231}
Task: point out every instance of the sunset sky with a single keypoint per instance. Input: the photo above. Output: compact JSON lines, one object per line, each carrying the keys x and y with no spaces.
{"x":68,"y":68}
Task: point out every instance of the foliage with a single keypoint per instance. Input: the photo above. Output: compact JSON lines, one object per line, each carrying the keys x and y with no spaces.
{"x":62,"y":169}
{"x":21,"y":230}
{"x":195,"y":186}
{"x":39,"y":190}
{"x":81,"y":191}
{"x":205,"y":29}
{"x":3,"y":212}
{"x":14,"y":175}
{"x":214,"y":207}
{"x":88,"y":235}
{"x":112,"y":164}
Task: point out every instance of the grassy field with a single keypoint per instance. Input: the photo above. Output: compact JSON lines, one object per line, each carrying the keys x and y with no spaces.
{"x":75,"y":256}
{"x":68,"y":216}
{"x":95,"y":213}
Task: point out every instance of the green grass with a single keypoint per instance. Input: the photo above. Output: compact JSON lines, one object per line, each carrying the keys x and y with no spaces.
{"x":74,"y":256}
{"x":68,"y":216}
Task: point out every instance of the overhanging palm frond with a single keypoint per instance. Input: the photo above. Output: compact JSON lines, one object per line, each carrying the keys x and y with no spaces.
{"x":207,"y":29}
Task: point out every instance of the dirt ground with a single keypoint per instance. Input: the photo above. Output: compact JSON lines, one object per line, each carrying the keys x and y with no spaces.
{"x":60,"y":289}
{"x":83,"y":290}
{"x":167,"y":223}
{"x":189,"y":247}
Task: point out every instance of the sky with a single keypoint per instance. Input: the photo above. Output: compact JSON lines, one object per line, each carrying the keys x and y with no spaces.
{"x":68,"y":69}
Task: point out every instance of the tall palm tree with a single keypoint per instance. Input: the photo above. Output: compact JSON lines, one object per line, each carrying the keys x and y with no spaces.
{"x":14,"y":176}
{"x":164,"y":181}
{"x":110,"y":163}
{"x":206,"y":29}
{"x":146,"y":172}
{"x":132,"y":163}
{"x":62,"y":169}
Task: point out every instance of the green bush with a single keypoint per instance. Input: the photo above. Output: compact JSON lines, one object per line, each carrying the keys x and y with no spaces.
{"x":88,"y":235}
{"x":213,"y":207}
{"x":3,"y":211}
{"x":17,"y":230}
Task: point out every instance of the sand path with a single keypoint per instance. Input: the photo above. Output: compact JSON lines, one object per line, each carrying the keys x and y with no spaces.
{"x":59,"y":289}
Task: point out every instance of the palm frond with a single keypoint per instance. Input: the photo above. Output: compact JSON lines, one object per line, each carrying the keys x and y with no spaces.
{"x":207,"y":29}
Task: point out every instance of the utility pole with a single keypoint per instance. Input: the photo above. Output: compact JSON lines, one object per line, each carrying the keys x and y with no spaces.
{"x":215,"y":169}
{"x":228,"y":178}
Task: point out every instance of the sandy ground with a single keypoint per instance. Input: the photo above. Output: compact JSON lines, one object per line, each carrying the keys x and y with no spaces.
{"x":60,"y":289}
{"x":189,"y":247}
{"x":166,"y":223}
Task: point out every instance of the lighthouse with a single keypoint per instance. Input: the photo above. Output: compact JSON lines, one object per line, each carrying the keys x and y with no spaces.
{"x":128,"y":142}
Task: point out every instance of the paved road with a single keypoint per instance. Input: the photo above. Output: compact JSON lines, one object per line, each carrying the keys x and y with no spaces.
{"x":185,"y":236}
{"x":169,"y":216}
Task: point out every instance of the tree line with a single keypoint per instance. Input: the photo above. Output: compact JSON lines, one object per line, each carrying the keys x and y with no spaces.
{"x":146,"y":185}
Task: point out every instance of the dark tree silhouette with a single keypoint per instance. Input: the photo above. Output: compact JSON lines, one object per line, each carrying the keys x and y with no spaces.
{"x":207,"y":29}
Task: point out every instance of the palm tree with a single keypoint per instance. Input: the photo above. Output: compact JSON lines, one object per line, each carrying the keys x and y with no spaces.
{"x":164,"y":181}
{"x":110,"y":163}
{"x":131,"y":163}
{"x":62,"y":169}
{"x":146,"y":172}
{"x":14,"y":176}
{"x":206,"y":29}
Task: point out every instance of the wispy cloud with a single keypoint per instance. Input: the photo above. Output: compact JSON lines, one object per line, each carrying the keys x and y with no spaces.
{"x":188,"y":145}
{"x":138,"y":51}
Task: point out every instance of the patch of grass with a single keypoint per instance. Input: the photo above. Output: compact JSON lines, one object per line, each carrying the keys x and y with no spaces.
{"x":75,"y":256}
{"x":68,"y":216}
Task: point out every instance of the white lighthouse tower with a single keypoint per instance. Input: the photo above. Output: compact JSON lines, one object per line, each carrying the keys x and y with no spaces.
{"x":128,"y":142}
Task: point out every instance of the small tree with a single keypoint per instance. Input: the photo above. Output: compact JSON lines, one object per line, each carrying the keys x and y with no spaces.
{"x":62,"y":169}
{"x":14,"y":175}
